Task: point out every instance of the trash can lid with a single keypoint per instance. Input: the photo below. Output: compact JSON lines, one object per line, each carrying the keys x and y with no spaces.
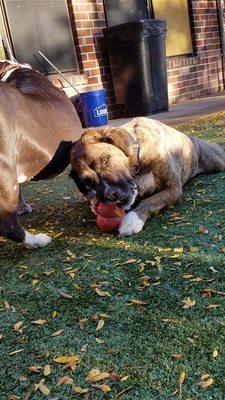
{"x":134,"y":31}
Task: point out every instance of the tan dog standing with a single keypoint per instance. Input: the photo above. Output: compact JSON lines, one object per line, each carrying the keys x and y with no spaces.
{"x":143,"y":162}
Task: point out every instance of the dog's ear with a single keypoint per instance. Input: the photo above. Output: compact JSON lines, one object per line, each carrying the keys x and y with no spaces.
{"x":118,"y":137}
{"x":5,"y":66}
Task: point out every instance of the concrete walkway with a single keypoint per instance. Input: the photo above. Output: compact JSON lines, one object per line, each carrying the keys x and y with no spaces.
{"x":179,"y":113}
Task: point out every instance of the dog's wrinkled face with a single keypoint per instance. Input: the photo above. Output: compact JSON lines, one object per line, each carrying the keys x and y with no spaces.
{"x":102,"y":166}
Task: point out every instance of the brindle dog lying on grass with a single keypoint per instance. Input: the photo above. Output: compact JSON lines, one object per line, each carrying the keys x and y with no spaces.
{"x":141,"y":165}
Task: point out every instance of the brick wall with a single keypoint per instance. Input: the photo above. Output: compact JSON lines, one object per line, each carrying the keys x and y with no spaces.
{"x":189,"y":76}
{"x":199,"y":74}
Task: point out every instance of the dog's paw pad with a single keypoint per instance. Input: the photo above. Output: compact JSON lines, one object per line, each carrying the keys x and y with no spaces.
{"x":35,"y":241}
{"x":130,"y":224}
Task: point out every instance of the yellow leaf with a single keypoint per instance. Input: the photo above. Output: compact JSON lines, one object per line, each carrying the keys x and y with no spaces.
{"x":100,"y":325}
{"x":35,"y":282}
{"x":178,"y":250}
{"x":47,"y":370}
{"x":54,"y":313}
{"x":102,"y":293}
{"x":39,"y":322}
{"x":205,"y":383}
{"x":139,"y":302}
{"x":95,"y":375}
{"x":105,"y":388}
{"x":182,"y":378}
{"x":188,"y":303}
{"x":15,"y":352}
{"x":17,"y":326}
{"x":215,"y":353}
{"x":57,"y":333}
{"x":84,"y":348}
{"x":193,"y":249}
{"x":79,"y":390}
{"x":43,"y":389}
{"x":6,"y":305}
{"x":223,"y":249}
{"x":65,"y":380}
{"x":125,"y":378}
{"x":99,"y":341}
{"x":67,"y":359}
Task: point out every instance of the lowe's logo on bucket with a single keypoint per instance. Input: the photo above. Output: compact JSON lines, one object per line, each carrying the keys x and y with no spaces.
{"x":100,"y":111}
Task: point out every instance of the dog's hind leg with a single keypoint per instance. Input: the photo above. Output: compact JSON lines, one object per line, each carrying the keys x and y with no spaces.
{"x":22,"y":207}
{"x":9,"y":224}
{"x":211,"y":156}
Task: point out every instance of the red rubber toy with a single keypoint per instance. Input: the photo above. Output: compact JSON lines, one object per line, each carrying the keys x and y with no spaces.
{"x":109,"y":217}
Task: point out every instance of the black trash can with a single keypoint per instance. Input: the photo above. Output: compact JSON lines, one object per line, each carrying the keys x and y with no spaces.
{"x":137,"y":55}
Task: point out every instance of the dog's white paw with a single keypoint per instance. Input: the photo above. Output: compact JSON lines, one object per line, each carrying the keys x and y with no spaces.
{"x":35,"y":241}
{"x":130,"y":224}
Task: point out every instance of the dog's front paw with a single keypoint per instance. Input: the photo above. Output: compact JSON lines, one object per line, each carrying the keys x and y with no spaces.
{"x":131,"y":223}
{"x":35,"y":241}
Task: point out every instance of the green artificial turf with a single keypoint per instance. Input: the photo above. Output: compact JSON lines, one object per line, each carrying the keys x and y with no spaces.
{"x":170,"y":260}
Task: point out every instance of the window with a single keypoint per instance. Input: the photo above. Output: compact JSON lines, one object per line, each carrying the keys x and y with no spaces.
{"x":43,"y":25}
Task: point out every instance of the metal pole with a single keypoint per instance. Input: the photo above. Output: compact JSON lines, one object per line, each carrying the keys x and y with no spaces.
{"x":60,"y":73}
{"x":220,"y":7}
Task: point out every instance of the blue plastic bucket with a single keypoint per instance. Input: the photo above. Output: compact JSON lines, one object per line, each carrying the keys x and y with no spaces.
{"x":93,"y":108}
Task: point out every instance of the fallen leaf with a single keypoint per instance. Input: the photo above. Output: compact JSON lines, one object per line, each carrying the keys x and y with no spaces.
{"x":215,"y":353}
{"x":39,"y":322}
{"x":170,"y":321}
{"x":182,"y":378}
{"x":125,"y":378}
{"x":43,"y":389}
{"x":99,"y":341}
{"x":84,"y":348}
{"x":65,"y":295}
{"x":100,"y":325}
{"x":47,"y":370}
{"x":176,"y":356}
{"x":102,"y":293}
{"x":138,"y":302}
{"x":105,"y":388}
{"x":193,"y":249}
{"x":67,"y":359}
{"x":95,"y":375}
{"x":65,"y":380}
{"x":57,"y":333}
{"x":34,"y":368}
{"x":17,"y":326}
{"x":6,"y":305}
{"x":178,"y":250}
{"x":188,"y":303}
{"x":206,"y":382}
{"x":15,"y":352}
{"x":79,"y":390}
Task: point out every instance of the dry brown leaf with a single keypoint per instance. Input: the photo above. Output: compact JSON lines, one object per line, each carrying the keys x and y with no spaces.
{"x":15,"y":352}
{"x":193,"y":249}
{"x":100,"y":325}
{"x":47,"y":370}
{"x":57,"y":333}
{"x":84,"y":348}
{"x":65,"y":295}
{"x":34,"y":368}
{"x":6,"y":305}
{"x":17,"y":326}
{"x":215,"y":353}
{"x":182,"y":378}
{"x":39,"y":322}
{"x":95,"y":375}
{"x":65,"y":380}
{"x":105,"y":388}
{"x":138,"y":302}
{"x":176,"y":356}
{"x":102,"y":293}
{"x":178,"y":250}
{"x":188,"y":303}
{"x":99,"y":341}
{"x":170,"y":321}
{"x":43,"y":389}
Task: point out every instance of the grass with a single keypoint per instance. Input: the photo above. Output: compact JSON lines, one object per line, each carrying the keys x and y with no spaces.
{"x":165,"y":260}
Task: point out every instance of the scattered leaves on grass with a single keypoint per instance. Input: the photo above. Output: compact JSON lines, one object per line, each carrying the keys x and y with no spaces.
{"x":67,"y":359}
{"x":79,"y":390}
{"x":178,"y":250}
{"x":102,"y":293}
{"x":181,"y":378}
{"x":105,"y":388}
{"x":188,"y":303}
{"x":34,"y":368}
{"x":65,"y":380}
{"x":193,"y":249}
{"x":95,"y":375}
{"x":15,"y":352}
{"x":176,"y":356}
{"x":17,"y":327}
{"x":138,"y":302}
{"x":215,"y":353}
{"x":99,"y":341}
{"x":100,"y":325}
